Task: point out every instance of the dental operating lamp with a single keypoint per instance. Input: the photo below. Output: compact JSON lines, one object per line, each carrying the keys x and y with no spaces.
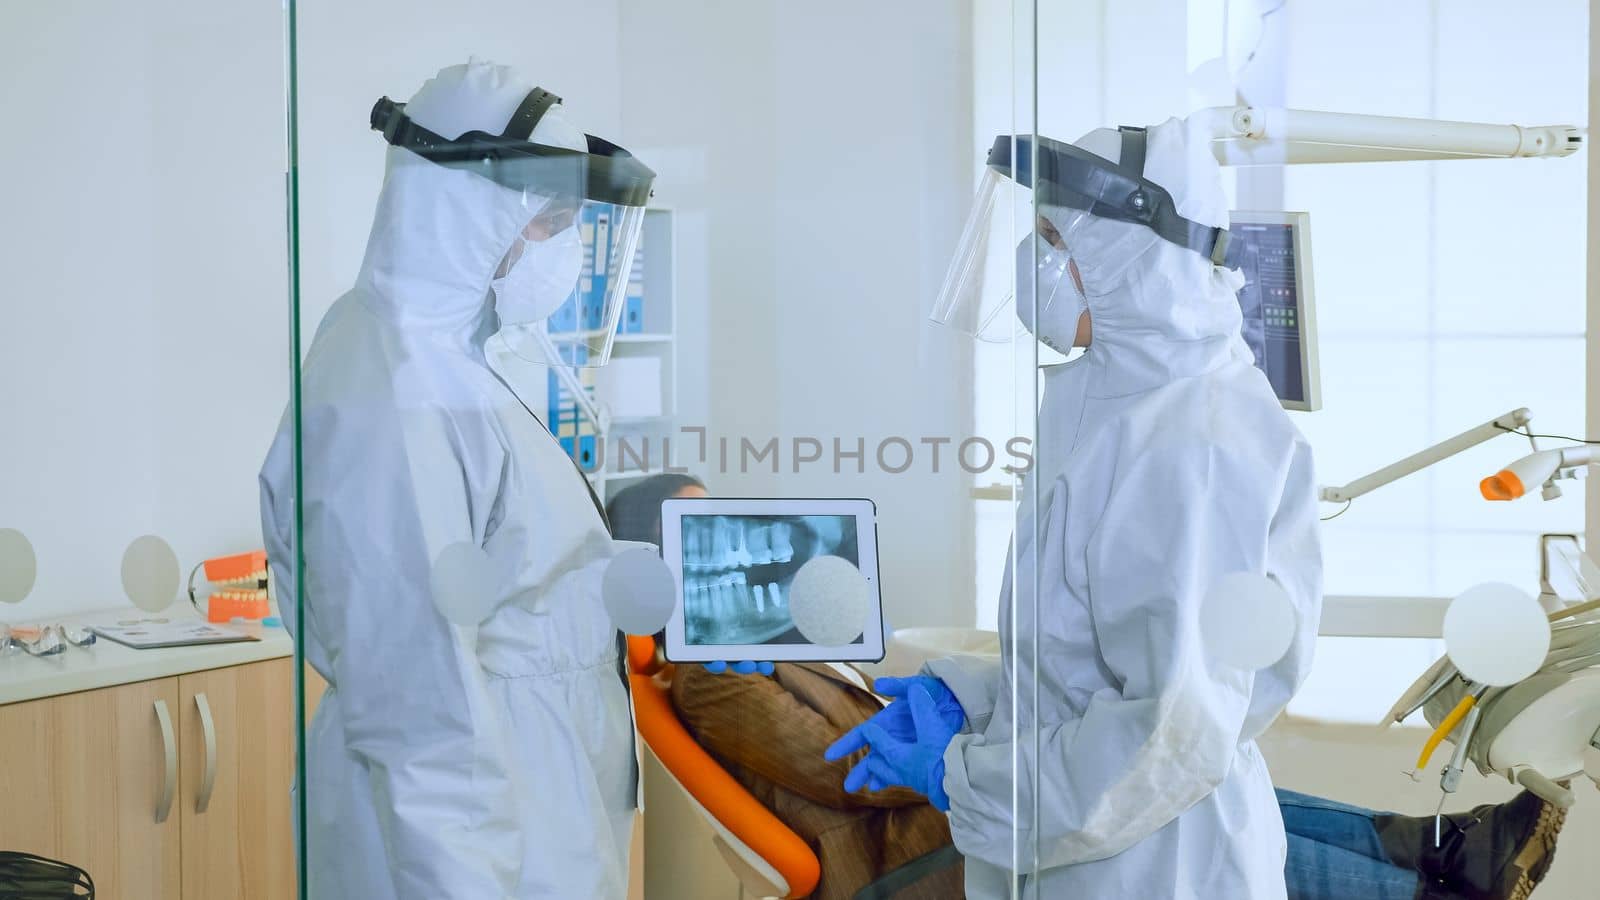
{"x":1416,"y":462}
{"x":1542,"y":467}
{"x":1270,"y":136}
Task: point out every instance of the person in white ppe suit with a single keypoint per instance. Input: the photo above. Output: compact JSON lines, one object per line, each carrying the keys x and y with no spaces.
{"x":475,"y":740}
{"x":1164,"y":462}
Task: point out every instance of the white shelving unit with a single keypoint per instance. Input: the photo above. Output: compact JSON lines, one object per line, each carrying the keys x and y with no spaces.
{"x":641,"y":360}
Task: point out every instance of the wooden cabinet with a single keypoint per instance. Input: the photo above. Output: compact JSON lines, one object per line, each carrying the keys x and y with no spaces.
{"x":86,"y":777}
{"x":237,"y":748}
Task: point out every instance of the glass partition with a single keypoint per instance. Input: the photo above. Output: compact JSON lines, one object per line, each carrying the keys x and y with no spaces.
{"x":146,"y":692}
{"x":513,"y":553}
{"x":681,"y":450}
{"x":666,"y":374}
{"x":1405,"y":191}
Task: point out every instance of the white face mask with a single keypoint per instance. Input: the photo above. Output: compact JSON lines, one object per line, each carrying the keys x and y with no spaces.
{"x":1060,"y":302}
{"x":541,"y":279}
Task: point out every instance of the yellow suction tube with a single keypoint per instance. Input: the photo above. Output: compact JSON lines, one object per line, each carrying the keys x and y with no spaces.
{"x":1443,"y":731}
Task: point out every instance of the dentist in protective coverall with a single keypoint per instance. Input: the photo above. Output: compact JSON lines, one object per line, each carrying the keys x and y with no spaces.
{"x":476,"y":746}
{"x":1164,"y":463}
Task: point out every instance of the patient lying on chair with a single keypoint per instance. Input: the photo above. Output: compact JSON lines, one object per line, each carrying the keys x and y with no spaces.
{"x":770,"y":733}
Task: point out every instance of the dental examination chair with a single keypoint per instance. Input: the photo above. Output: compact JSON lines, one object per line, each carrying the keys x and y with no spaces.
{"x":1542,"y":732}
{"x":770,"y":860}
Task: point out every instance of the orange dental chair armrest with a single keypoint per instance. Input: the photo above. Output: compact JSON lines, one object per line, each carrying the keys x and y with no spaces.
{"x":643,"y":657}
{"x":710,"y":784}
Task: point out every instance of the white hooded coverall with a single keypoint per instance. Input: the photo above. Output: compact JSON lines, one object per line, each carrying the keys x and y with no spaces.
{"x":448,"y":762}
{"x":1163,"y":463}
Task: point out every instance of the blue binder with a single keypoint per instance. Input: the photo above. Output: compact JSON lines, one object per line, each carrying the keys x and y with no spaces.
{"x":633,"y":309}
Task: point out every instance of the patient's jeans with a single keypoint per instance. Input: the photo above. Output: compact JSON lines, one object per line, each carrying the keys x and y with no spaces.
{"x":1335,"y":854}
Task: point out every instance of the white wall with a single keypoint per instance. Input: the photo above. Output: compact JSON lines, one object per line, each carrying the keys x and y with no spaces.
{"x":144,"y":357}
{"x":853,"y":291}
{"x":353,"y":53}
{"x":148,"y":319}
{"x":815,"y":156}
{"x":698,"y":109}
{"x":142,"y":360}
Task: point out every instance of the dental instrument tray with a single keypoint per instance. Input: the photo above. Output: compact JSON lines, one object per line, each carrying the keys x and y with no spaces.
{"x":782,"y":580}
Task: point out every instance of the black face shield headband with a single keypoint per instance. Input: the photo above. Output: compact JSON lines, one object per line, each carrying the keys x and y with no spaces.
{"x":605,"y":174}
{"x":1072,"y":177}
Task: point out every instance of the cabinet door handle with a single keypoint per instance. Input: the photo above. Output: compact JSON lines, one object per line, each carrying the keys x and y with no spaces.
{"x":209,"y":730}
{"x":169,"y":746}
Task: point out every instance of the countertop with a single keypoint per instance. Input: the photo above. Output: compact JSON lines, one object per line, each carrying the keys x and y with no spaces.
{"x":107,"y":663}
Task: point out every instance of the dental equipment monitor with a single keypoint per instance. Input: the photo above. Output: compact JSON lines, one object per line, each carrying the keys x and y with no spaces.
{"x":761,"y":579}
{"x":1280,"y":321}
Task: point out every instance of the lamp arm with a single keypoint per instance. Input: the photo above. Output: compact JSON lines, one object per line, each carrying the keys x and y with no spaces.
{"x":1250,"y":135}
{"x":1416,"y":462}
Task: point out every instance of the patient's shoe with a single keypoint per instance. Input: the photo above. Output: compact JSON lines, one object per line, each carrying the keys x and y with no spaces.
{"x":1498,"y":851}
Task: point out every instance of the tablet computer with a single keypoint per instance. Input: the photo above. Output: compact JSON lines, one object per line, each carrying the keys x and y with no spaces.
{"x":734,"y":562}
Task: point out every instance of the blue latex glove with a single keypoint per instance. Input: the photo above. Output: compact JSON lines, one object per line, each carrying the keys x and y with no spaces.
{"x":895,"y":719}
{"x":945,"y":699}
{"x":917,"y":764}
{"x":745,"y":667}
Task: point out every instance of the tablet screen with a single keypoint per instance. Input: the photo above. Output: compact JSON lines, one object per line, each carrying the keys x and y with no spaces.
{"x":738,"y":569}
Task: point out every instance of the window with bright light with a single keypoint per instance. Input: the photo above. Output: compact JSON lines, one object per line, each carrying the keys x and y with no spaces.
{"x":1448,"y":293}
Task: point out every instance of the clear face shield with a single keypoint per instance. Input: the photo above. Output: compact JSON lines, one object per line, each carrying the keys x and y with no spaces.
{"x":1033,"y":247}
{"x":1011,"y":270}
{"x":1012,"y":273}
{"x":562,"y":285}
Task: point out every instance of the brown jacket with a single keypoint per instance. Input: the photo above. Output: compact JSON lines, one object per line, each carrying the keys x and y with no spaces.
{"x":770,"y":733}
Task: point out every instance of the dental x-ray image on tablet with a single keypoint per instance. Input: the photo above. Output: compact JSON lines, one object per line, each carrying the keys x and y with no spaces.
{"x":742,"y":565}
{"x":738,"y":571}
